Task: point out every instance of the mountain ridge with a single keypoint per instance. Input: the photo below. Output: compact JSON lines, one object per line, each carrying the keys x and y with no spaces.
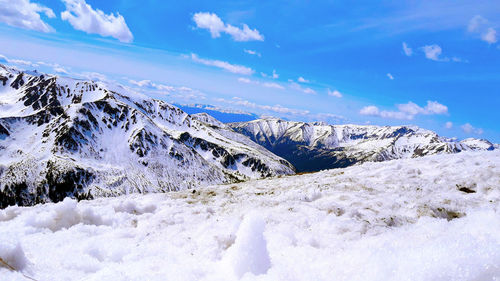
{"x":66,"y":137}
{"x":316,"y":146}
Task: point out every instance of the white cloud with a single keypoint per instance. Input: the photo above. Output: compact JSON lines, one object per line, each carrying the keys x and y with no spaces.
{"x":265,"y":84}
{"x":25,"y":14}
{"x":455,"y":59}
{"x":432,"y":52}
{"x":448,"y":125}
{"x":370,"y":110}
{"x":176,"y":93}
{"x":433,"y":107}
{"x":299,"y":88}
{"x":216,"y":26}
{"x":329,"y":117}
{"x":469,"y":129}
{"x":390,"y":76}
{"x":55,"y":67}
{"x":211,"y":22}
{"x":5,"y":59}
{"x":151,"y":85}
{"x":252,"y":52}
{"x":490,"y":36}
{"x":82,"y":17}
{"x":95,"y":76}
{"x":273,"y":85}
{"x":406,"y":111}
{"x":407,"y":50}
{"x":302,"y":80}
{"x":244,"y":80}
{"x":233,"y":68}
{"x":335,"y":93}
{"x":478,"y":25}
{"x":274,"y":75}
{"x":23,"y":62}
{"x":475,"y":23}
{"x":272,"y":108}
{"x":59,"y":69}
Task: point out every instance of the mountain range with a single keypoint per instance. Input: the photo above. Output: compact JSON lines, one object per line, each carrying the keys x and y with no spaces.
{"x":317,"y":146}
{"x":65,"y":137}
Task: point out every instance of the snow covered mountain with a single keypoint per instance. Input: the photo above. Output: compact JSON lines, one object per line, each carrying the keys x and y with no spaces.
{"x":317,"y":146}
{"x":64,"y":137}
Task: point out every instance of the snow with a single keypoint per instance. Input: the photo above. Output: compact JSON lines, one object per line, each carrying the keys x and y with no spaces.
{"x":409,"y":219}
{"x":249,"y":252}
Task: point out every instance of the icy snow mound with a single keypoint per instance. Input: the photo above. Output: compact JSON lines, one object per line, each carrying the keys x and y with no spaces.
{"x":431,"y":218}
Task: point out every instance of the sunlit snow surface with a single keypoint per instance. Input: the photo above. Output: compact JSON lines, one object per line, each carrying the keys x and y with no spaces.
{"x":396,"y":220}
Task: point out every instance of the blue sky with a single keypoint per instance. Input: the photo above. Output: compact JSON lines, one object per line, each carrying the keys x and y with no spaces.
{"x":434,"y":64}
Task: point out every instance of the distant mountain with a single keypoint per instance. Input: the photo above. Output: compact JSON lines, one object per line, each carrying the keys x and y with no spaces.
{"x":63,"y":137}
{"x":223,"y":115}
{"x":318,"y":146}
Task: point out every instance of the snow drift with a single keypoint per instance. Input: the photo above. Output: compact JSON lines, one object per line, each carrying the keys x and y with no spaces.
{"x":429,"y":218}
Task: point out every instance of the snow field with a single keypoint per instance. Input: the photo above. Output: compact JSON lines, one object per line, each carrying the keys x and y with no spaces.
{"x":431,"y":218}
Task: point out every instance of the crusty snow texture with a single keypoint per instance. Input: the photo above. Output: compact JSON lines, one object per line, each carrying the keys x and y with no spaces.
{"x":431,"y":218}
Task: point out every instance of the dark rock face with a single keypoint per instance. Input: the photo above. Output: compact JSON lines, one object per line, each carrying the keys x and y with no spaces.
{"x":224,"y":157}
{"x":55,"y":187}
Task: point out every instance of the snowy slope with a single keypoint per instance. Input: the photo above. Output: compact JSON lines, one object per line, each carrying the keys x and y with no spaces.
{"x":429,"y":218}
{"x":64,"y":137}
{"x":317,"y":146}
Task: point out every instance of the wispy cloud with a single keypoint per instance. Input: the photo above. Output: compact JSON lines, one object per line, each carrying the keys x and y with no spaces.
{"x":94,"y":76}
{"x":60,"y":69}
{"x":216,"y":26}
{"x":176,"y":93}
{"x":151,"y":85}
{"x":297,"y":87}
{"x":448,"y":125}
{"x":274,"y":75}
{"x":83,"y":17}
{"x":302,"y":80}
{"x":281,"y":111}
{"x":233,"y":68}
{"x":271,"y":108}
{"x":334,"y":93}
{"x":432,"y":52}
{"x":469,"y":129}
{"x":490,"y":36}
{"x":252,"y":52}
{"x":407,"y":50}
{"x":264,"y":84}
{"x":406,"y":111}
{"x":273,"y":85}
{"x":25,"y":14}
{"x":390,"y":76}
{"x":479,"y":25}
